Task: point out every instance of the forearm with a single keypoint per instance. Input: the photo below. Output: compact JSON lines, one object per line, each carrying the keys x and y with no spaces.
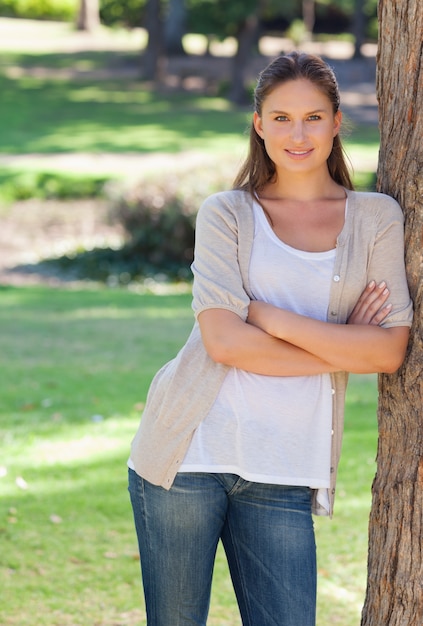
{"x":231,"y":341}
{"x":353,"y":348}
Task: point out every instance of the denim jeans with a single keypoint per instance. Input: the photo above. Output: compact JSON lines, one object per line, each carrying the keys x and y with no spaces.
{"x":267,"y":533}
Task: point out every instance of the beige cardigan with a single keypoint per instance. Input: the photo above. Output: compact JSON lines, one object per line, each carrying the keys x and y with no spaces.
{"x":370,"y":246}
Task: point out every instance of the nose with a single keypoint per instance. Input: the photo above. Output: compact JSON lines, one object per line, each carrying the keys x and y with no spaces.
{"x":297,"y":131}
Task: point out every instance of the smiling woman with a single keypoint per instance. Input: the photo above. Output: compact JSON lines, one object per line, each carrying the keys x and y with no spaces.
{"x":241,"y":435}
{"x":301,"y":133}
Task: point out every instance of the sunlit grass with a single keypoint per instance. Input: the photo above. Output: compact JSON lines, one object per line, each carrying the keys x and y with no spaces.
{"x":75,"y":367}
{"x":40,"y":115}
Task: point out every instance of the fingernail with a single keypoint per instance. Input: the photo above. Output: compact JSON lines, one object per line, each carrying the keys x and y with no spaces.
{"x":372,"y":284}
{"x":385,"y":291}
{"x":382,"y":284}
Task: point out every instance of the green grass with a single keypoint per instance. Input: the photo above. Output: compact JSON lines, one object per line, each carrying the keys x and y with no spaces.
{"x":58,"y":115}
{"x":75,"y":367}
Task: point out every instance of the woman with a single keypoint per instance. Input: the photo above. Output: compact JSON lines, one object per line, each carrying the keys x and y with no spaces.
{"x":241,"y":434}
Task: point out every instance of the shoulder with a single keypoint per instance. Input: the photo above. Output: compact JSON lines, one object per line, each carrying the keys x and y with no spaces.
{"x":228,"y":205}
{"x":233,"y":199}
{"x":375,"y":204}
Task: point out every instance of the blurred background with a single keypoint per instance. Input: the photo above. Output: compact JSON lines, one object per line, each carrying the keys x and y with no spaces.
{"x":108,"y":109}
{"x":117,"y":118}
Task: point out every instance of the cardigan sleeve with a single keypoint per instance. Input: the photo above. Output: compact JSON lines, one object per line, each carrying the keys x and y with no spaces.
{"x":387,"y":260}
{"x":218,"y":281}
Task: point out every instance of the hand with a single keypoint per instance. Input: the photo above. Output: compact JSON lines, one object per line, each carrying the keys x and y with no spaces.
{"x":371,"y":308}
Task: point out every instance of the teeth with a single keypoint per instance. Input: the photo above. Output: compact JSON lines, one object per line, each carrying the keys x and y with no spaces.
{"x":298,"y":152}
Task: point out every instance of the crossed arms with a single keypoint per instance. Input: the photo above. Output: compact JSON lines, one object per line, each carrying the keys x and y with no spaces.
{"x":276,"y":342}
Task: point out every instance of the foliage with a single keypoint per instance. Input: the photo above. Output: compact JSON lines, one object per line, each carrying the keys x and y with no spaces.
{"x":75,"y":366}
{"x":39,"y":9}
{"x":123,"y":12}
{"x":160,"y":223}
{"x":18,"y":185}
{"x":297,"y":31}
{"x":218,"y":17}
{"x":209,"y":17}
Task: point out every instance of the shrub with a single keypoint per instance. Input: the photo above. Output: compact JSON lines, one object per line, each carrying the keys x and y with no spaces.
{"x":64,"y":10}
{"x":158,"y":215}
{"x":159,"y":219}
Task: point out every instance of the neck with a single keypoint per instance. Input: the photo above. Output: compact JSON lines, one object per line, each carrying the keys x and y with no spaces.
{"x":304,"y":188}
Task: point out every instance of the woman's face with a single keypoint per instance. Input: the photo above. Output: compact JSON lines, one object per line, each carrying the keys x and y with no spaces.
{"x":298,"y":126}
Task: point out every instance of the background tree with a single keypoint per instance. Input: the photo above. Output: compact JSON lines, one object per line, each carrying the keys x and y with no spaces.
{"x":309,"y":15}
{"x":88,"y":15}
{"x":247,"y":38}
{"x":175,"y":27}
{"x":153,"y":56}
{"x":359,"y":27}
{"x":395,"y":567}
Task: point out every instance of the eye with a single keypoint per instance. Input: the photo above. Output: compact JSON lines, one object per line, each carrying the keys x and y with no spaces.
{"x":281,"y":118}
{"x":315,"y":117}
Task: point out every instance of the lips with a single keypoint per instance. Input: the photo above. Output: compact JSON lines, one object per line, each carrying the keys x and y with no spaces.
{"x":299,"y":154}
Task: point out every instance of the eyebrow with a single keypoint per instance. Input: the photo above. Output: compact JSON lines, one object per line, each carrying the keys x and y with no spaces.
{"x":309,"y":113}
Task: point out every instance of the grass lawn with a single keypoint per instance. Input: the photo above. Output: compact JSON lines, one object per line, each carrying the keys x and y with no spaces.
{"x":45,"y":112}
{"x":75,"y":367}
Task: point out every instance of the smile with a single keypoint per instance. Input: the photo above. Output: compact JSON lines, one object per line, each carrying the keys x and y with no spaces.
{"x":299,"y":154}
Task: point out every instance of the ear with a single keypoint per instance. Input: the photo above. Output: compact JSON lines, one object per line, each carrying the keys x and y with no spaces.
{"x":258,"y":124}
{"x":337,"y":123}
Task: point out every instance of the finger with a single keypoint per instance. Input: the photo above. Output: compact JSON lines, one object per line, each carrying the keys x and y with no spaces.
{"x":381,"y":315}
{"x":371,"y":306}
{"x":370,"y":294}
{"x":376,"y":298}
{"x":366,"y":293}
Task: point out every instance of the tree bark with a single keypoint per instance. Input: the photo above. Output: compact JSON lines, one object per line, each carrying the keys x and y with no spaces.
{"x":395,"y":564}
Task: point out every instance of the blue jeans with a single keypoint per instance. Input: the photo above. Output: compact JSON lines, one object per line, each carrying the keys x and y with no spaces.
{"x":268,"y":536}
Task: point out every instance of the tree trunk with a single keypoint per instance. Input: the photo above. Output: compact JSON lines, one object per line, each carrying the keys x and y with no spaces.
{"x":309,"y":17}
{"x":175,"y":28}
{"x":359,"y":25}
{"x":153,"y":57}
{"x":88,"y":15}
{"x":247,"y":38}
{"x":395,"y":566}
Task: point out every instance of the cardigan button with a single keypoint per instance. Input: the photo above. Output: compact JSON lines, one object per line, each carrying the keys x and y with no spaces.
{"x":336,"y":278}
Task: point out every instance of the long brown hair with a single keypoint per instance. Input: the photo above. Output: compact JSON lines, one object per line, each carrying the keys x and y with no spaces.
{"x":258,"y":169}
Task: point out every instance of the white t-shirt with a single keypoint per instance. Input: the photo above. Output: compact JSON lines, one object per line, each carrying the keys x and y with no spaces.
{"x":266,"y":428}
